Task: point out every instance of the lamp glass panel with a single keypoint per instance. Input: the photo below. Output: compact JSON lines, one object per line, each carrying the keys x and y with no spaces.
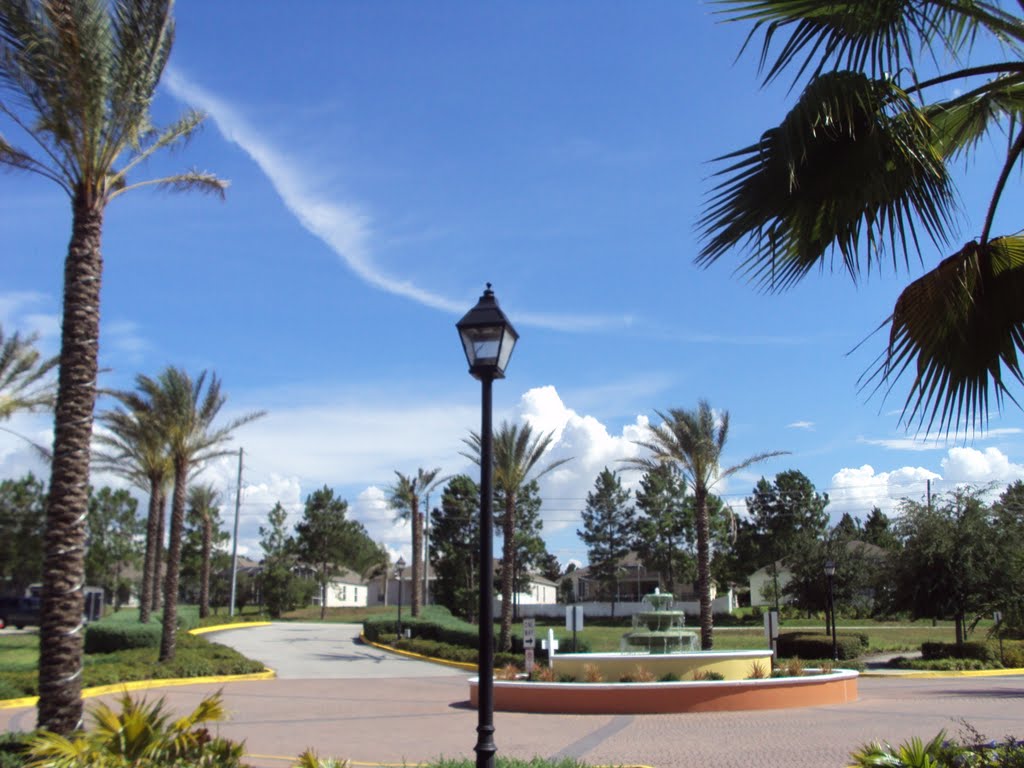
{"x":508,"y":342}
{"x":482,"y":345}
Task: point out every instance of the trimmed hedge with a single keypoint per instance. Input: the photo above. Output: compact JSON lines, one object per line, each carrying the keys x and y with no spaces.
{"x":815,"y":645}
{"x":970,"y":650}
{"x":122,"y":631}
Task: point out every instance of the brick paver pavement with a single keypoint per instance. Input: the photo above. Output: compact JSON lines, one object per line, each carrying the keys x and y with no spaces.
{"x":408,"y":720}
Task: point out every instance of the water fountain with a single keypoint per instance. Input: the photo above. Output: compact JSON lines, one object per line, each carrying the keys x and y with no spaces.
{"x":660,"y":648}
{"x":659,"y":630}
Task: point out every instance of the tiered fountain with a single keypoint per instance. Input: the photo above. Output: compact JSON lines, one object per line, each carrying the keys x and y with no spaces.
{"x":659,"y":630}
{"x":661,"y":648}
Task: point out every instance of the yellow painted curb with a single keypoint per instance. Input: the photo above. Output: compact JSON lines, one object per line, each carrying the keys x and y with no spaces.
{"x":458,"y":664}
{"x":936,"y":673}
{"x":222,"y":627}
{"x":145,"y":685}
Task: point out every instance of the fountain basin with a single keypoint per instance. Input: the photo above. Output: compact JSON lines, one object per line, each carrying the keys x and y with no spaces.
{"x":732,"y":665}
{"x":837,"y":687}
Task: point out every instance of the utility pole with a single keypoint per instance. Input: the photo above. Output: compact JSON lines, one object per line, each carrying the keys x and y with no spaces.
{"x":928,"y":493}
{"x":234,"y":538}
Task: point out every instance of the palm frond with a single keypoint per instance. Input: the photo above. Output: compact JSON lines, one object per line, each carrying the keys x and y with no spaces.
{"x":960,"y":328}
{"x":849,"y":172}
{"x":24,"y":385}
{"x":877,"y":36}
{"x":962,"y":122}
{"x":192,"y":181}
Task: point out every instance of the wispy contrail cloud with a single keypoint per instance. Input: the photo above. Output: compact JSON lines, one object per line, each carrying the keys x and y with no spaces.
{"x":344,"y":226}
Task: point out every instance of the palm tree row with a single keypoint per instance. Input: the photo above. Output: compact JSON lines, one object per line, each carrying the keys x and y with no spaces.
{"x":78,"y":79}
{"x":164,"y":433}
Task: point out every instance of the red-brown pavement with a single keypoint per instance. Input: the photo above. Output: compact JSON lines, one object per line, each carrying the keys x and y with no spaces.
{"x":371,"y":707}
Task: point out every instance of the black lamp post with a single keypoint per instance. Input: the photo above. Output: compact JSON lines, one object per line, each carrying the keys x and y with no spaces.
{"x":488,"y":339}
{"x":399,"y":568}
{"x":830,"y":571}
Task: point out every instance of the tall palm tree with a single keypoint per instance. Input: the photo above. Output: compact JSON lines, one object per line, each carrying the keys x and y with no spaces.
{"x":80,"y":77}
{"x":517,"y":451}
{"x":859,"y":172}
{"x":693,"y":441}
{"x":404,"y":497}
{"x":184,"y":411}
{"x":132,"y":445}
{"x":23,"y":376}
{"x":203,"y":501}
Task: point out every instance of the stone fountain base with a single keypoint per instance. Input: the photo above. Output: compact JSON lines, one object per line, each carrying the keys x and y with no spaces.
{"x":813,"y":690}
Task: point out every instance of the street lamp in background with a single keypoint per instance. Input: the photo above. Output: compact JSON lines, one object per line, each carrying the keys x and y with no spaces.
{"x":488,"y":339}
{"x":830,"y":571}
{"x":399,"y":568}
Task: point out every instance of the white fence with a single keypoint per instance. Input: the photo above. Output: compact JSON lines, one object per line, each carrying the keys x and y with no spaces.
{"x":723,"y":604}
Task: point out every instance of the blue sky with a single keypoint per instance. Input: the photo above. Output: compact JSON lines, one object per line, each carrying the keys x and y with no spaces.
{"x":387,"y":160}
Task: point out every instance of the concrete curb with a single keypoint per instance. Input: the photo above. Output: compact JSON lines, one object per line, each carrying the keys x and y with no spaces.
{"x":419,"y":657}
{"x":935,"y":673}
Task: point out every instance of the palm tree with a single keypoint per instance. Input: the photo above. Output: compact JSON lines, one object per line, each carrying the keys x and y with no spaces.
{"x":404,"y":497}
{"x":184,"y":413}
{"x":203,"y":501}
{"x":693,"y":441}
{"x":81,"y":75}
{"x":132,"y":445}
{"x":517,"y":452}
{"x":23,"y":382}
{"x":859,"y":172}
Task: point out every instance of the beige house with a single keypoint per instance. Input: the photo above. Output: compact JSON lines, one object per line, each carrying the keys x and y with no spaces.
{"x":347,"y":590}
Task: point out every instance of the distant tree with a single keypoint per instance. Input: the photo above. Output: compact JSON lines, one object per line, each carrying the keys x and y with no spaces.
{"x":517,"y":454}
{"x":848,"y":528}
{"x":405,"y":497}
{"x":282,"y":589}
{"x":1008,"y":514}
{"x":22,"y":521}
{"x":529,"y":551}
{"x":948,"y":562}
{"x":664,"y":530}
{"x":608,"y":530}
{"x":789,"y":517}
{"x":455,"y":554}
{"x":878,"y":530}
{"x":203,"y":539}
{"x":322,"y":539}
{"x":550,"y":568}
{"x":114,"y":530}
{"x":693,"y":440}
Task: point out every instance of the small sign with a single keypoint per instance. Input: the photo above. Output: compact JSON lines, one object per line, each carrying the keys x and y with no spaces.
{"x":551,"y":645}
{"x":574,"y":618}
{"x":529,"y":633}
{"x":997,"y":616}
{"x":529,"y":660}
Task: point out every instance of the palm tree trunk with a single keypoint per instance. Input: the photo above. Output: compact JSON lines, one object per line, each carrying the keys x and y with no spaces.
{"x":417,"y":546}
{"x":148,"y":567}
{"x":508,"y":557}
{"x":204,"y":579}
{"x":60,"y":636}
{"x":158,"y":550}
{"x":704,"y":568}
{"x":170,"y":627}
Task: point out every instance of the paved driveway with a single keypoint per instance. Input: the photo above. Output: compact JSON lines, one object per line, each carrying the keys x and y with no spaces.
{"x":323,"y":651}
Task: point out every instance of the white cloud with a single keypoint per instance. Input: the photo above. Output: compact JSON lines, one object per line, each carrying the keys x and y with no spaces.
{"x":969,"y":466}
{"x":906,"y":443}
{"x":344,"y":226}
{"x":807,"y":425}
{"x":858,"y":490}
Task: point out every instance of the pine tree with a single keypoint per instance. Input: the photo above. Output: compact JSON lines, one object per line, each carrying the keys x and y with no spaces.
{"x":608,"y":530}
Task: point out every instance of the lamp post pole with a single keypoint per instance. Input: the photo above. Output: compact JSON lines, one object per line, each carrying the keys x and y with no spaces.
{"x":830,"y":571}
{"x":488,"y":339}
{"x":400,"y":567}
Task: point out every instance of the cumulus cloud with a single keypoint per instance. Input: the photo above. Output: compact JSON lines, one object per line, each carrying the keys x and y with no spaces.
{"x":969,"y":466}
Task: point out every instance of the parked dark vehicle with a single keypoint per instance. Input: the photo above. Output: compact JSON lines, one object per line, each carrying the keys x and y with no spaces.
{"x":19,"y":612}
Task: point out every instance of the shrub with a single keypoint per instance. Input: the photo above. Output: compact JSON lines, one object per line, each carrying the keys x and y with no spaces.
{"x":757,"y":671}
{"x":705,"y":675}
{"x":544,"y":674}
{"x":970,"y":650}
{"x":592,"y":674}
{"x":670,"y":677}
{"x":507,"y":672}
{"x":108,"y":638}
{"x":794,"y":667}
{"x":815,"y":645}
{"x":14,"y":749}
{"x":1013,"y":655}
{"x":640,"y":674}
